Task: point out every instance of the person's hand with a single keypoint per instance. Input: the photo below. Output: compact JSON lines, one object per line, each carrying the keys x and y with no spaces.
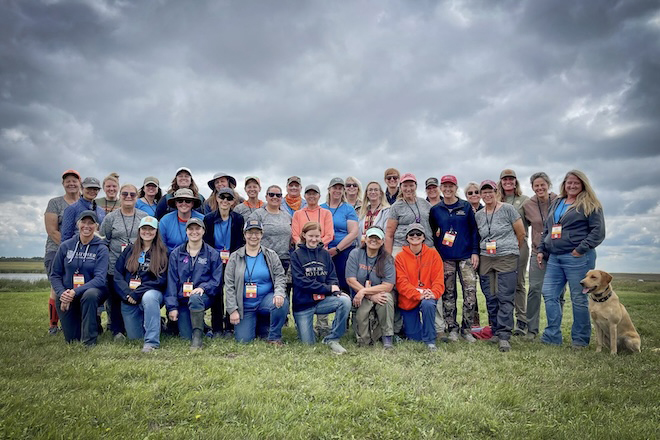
{"x":197,"y":291}
{"x":474,"y":259}
{"x":335,"y":288}
{"x":378,"y":298}
{"x":539,"y":260}
{"x":428,"y":294}
{"x":173,"y":315}
{"x":357,"y":299}
{"x":576,"y":253}
{"x":333,"y":252}
{"x":67,"y":296}
{"x":131,"y":300}
{"x":234,"y":317}
{"x":278,"y":301}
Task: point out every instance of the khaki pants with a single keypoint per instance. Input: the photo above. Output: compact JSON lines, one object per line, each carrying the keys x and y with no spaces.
{"x":368,"y":330}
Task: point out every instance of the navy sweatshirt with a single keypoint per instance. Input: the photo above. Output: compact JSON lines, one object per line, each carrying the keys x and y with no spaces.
{"x":90,"y":260}
{"x":237,"y":221}
{"x":204,"y":271}
{"x":460,"y":218}
{"x":313,"y":272}
{"x":149,"y":281}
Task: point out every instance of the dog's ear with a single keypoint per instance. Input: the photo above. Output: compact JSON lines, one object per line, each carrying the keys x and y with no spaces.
{"x":606,"y":277}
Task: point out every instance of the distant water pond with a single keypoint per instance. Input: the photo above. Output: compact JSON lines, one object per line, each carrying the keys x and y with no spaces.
{"x":23,"y":276}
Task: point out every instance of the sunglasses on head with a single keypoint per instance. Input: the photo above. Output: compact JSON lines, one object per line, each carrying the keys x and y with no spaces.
{"x":415,"y":234}
{"x":127,"y":194}
{"x":471,"y":193}
{"x":226,"y":197}
{"x":278,"y":195}
{"x":184,"y":200}
{"x":392,"y":178}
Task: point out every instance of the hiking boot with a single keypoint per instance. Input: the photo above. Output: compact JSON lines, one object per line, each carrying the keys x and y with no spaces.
{"x":432,"y":347}
{"x":387,"y":342}
{"x":453,"y":336}
{"x":504,"y":345}
{"x":467,"y":335}
{"x":335,"y":347}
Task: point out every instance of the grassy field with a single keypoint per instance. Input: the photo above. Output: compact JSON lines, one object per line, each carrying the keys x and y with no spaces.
{"x":49,"y":389}
{"x":25,"y":266}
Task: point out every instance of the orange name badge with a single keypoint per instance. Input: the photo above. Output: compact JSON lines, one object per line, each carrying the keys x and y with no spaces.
{"x":556,"y":231}
{"x":78,"y":280}
{"x":187,"y":288}
{"x":367,"y":283}
{"x":250,"y":290}
{"x":448,"y":239}
{"x":224,"y":256}
{"x":491,"y":247}
{"x":318,"y":297}
{"x":123,"y":246}
{"x":134,"y":283}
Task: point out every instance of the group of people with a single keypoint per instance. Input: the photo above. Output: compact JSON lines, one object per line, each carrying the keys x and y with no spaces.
{"x":382,"y":256}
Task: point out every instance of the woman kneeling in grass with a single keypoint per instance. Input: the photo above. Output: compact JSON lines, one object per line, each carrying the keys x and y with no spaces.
{"x":316,"y":289}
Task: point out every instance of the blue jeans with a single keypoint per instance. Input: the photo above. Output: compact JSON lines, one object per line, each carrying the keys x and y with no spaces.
{"x":143,"y":320}
{"x":423,"y":330}
{"x":563,"y":268}
{"x":195,"y":303}
{"x":246,"y":329}
{"x":341,"y":305}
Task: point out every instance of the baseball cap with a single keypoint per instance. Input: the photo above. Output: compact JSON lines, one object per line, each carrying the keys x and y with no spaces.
{"x":508,"y":173}
{"x":336,"y":181}
{"x":293,"y":179}
{"x":486,"y":183}
{"x":407,"y":177}
{"x":181,"y":169}
{"x":151,"y":179}
{"x":149,"y":221}
{"x":449,"y":179}
{"x":312,"y":187}
{"x":431,"y":181}
{"x":253,"y":224}
{"x":91,"y":182}
{"x":87,"y":213}
{"x":255,"y":178}
{"x":195,"y":221}
{"x":72,"y":173}
{"x":415,"y":227}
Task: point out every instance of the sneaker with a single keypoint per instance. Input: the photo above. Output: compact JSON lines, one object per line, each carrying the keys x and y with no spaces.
{"x":53,"y":331}
{"x":397,"y":339}
{"x":387,"y":342}
{"x":432,"y":347}
{"x":442,"y":336}
{"x":467,"y":335}
{"x":119,"y":337}
{"x":336,"y":347}
{"x":210,"y":334}
{"x":529,"y":337}
{"x":504,"y":345}
{"x":494,"y":339}
{"x":148,"y":348}
{"x":276,"y":342}
{"x":453,"y":336}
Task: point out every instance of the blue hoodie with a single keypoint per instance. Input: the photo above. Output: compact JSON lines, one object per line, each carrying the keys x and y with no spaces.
{"x":313,"y":272}
{"x":172,"y":231}
{"x":72,"y":212}
{"x":205,"y":273}
{"x":90,"y":260}
{"x":458,"y":217}
{"x":149,"y":281}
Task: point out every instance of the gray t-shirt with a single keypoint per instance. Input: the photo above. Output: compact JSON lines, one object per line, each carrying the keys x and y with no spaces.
{"x":56,"y":205}
{"x":498,"y":226}
{"x":277,"y":231}
{"x":360,"y":266}
{"x":119,"y":229}
{"x":408,"y":213}
{"x":245,"y":210}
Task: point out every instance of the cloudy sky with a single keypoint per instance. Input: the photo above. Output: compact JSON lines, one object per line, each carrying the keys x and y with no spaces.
{"x":323,"y":89}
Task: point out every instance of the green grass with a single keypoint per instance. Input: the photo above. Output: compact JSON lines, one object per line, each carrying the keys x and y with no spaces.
{"x":23,"y":286}
{"x":23,"y":266}
{"x":49,"y":389}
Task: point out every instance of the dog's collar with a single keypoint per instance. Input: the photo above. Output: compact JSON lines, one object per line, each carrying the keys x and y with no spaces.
{"x":604,"y":298}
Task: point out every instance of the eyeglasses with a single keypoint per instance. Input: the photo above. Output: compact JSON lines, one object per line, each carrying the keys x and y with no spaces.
{"x":415,"y":234}
{"x":126,"y":194}
{"x":351,"y":185}
{"x":253,"y":232}
{"x":278,"y":195}
{"x":225,"y":197}
{"x":471,"y":193}
{"x":392,"y":178}
{"x":184,"y":200}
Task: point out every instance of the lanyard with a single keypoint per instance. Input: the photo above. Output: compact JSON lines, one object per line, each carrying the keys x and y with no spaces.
{"x":250,"y":272}
{"x":418,"y":216}
{"x":419,"y":269}
{"x":75,"y":252}
{"x":366,"y":264}
{"x":319,"y":220}
{"x":128,"y":234}
{"x":192,"y":262}
{"x":538,"y":202}
{"x":558,"y":216}
{"x":105,"y":208}
{"x":490,"y":223}
{"x":333,"y":212}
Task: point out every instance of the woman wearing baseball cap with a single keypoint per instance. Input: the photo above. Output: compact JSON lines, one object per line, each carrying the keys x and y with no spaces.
{"x":149,"y":196}
{"x":79,"y":280}
{"x":53,"y":223}
{"x":252,"y":189}
{"x":140,"y":280}
{"x":173,"y":224}
{"x":182,"y":179}
{"x":91,"y":187}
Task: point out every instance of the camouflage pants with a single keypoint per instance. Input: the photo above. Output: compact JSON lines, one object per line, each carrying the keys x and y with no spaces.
{"x":468,"y":278}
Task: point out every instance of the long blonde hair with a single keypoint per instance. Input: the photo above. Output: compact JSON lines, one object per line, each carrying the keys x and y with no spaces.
{"x":586,"y":201}
{"x":365,"y":200}
{"x":359,"y":186}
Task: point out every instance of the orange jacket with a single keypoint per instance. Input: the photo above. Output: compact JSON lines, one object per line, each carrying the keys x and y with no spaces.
{"x":320,"y":215}
{"x":409,"y":267}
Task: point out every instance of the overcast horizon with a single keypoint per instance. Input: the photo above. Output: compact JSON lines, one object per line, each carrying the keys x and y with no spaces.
{"x":323,"y":89}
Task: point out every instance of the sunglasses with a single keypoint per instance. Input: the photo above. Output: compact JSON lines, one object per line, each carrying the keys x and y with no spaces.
{"x":184,"y":200}
{"x":351,"y":185}
{"x":415,"y":234}
{"x":126,"y":194}
{"x":225,"y":197}
{"x":278,"y":195}
{"x":471,"y":193}
{"x":392,"y":178}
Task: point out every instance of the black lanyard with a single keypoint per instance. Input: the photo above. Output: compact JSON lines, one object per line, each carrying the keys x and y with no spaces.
{"x":418,"y":217}
{"x":333,"y":212}
{"x":366,"y":265}
{"x":128,"y":234}
{"x":319,"y":220}
{"x":254,"y":264}
{"x":538,"y":202}
{"x":490,"y":223}
{"x":419,"y":269}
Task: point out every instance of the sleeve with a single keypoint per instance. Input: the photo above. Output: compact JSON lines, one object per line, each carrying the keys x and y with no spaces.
{"x":352,"y":264}
{"x":332,"y":279}
{"x":296,"y":227}
{"x":307,"y":284}
{"x":394,"y":213}
{"x":512,"y":213}
{"x":390,"y":271}
{"x":433,"y":223}
{"x":57,"y":272}
{"x":328,"y":233}
{"x":438,"y":281}
{"x":546,"y":226}
{"x":68,"y":223}
{"x":209,"y":230}
{"x":351,"y":214}
{"x":52,"y":206}
{"x":121,"y":286}
{"x":596,"y":232}
{"x":403,"y":284}
{"x":161,"y":208}
{"x":172,"y":293}
{"x":106,"y":229}
{"x":100,"y":271}
{"x":473,"y":230}
{"x":278,"y":275}
{"x":231,"y":302}
{"x":211,"y":286}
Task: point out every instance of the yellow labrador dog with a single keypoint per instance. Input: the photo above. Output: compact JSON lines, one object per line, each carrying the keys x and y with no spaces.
{"x":610,"y":317}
